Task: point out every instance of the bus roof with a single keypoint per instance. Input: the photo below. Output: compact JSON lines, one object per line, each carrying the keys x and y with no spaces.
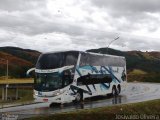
{"x":61,"y":51}
{"x":76,"y":51}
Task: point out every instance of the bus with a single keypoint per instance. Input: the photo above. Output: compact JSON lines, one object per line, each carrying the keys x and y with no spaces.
{"x":66,"y":76}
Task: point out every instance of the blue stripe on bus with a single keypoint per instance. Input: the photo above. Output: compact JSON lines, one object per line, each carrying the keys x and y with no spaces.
{"x":73,"y":88}
{"x":87,"y":67}
{"x":103,"y":85}
{"x":78,"y":72}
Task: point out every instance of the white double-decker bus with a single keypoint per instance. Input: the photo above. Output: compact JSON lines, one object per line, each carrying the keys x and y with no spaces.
{"x":67,"y":76}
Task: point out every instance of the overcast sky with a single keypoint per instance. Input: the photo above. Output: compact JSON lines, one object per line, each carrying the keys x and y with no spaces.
{"x":49,"y":25}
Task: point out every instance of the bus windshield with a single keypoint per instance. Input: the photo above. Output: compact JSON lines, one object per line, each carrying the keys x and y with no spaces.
{"x":47,"y":82}
{"x":56,"y":60}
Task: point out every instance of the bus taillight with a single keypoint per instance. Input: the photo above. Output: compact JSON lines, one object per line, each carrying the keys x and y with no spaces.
{"x":45,"y":100}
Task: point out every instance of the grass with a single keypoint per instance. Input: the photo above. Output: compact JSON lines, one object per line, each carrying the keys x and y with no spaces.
{"x":137,"y":72}
{"x":108,"y":112}
{"x":152,"y":77}
{"x":25,"y":95}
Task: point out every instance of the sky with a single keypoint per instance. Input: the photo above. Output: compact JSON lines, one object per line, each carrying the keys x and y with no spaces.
{"x":53,"y":25}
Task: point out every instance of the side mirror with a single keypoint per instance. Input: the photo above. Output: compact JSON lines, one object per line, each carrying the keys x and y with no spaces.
{"x":29,"y":71}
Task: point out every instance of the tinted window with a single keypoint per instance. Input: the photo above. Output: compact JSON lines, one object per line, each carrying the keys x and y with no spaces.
{"x":57,"y":60}
{"x":71,"y":58}
{"x":94,"y":79}
{"x":97,"y":60}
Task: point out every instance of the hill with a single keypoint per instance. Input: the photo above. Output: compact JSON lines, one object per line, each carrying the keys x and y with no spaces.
{"x":19,"y":61}
{"x":145,"y":61}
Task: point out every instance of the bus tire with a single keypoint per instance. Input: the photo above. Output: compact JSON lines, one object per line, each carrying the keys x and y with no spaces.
{"x":118,"y":89}
{"x":114,"y":91}
{"x":79,"y":96}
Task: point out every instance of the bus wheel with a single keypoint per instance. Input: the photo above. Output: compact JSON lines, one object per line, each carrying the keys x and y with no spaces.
{"x":114,"y":91}
{"x":118,"y":89}
{"x":79,"y":96}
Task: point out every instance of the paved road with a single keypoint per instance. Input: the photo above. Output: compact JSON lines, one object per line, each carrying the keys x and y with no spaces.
{"x":135,"y":92}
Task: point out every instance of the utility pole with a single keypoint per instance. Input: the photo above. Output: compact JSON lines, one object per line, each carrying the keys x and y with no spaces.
{"x":5,"y":89}
{"x":7,"y":69}
{"x":111,"y":43}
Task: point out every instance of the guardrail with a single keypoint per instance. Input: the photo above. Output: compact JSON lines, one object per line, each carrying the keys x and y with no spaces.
{"x":14,"y":84}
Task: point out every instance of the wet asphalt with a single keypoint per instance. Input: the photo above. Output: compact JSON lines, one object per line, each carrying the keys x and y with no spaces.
{"x":135,"y":92}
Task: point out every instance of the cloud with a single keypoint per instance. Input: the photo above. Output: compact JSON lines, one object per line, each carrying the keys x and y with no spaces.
{"x":21,"y":5}
{"x":59,"y":25}
{"x":131,"y":14}
{"x":129,"y":6}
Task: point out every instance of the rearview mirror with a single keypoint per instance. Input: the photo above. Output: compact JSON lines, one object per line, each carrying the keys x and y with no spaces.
{"x":28,"y":73}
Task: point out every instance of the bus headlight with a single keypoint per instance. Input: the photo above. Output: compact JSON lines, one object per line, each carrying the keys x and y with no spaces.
{"x":35,"y":93}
